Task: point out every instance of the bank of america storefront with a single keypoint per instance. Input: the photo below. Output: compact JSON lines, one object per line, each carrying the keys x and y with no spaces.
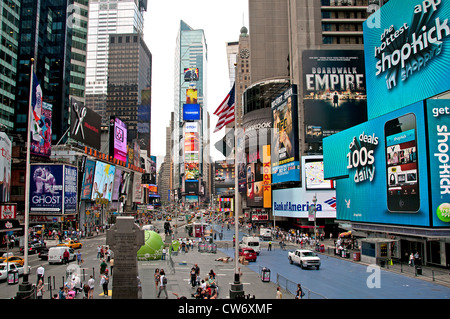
{"x":392,"y":172}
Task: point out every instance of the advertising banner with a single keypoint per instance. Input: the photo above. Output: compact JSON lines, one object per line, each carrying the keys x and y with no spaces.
{"x":70,"y":189}
{"x":118,"y":181}
{"x":406,"y":45}
{"x":267,"y":178}
{"x":46,"y":188}
{"x":224,"y":175}
{"x":334,"y":91}
{"x":191,"y":112}
{"x":438,"y":115}
{"x":41,"y":131}
{"x":118,"y":139}
{"x":190,"y":74}
{"x":191,"y":96}
{"x":88,"y":180}
{"x":103,"y":181}
{"x":284,"y":148}
{"x":295,"y":203}
{"x":384,"y":165}
{"x":8,"y":211}
{"x":85,"y":125}
{"x":137,"y":188}
{"x":5,"y":167}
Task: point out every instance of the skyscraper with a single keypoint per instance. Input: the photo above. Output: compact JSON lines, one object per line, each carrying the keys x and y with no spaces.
{"x":190,"y":154}
{"x":107,"y":17}
{"x":9,"y":46}
{"x":129,"y":82}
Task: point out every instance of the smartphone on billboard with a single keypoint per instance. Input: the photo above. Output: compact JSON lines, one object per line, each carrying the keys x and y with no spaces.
{"x":402,"y":164}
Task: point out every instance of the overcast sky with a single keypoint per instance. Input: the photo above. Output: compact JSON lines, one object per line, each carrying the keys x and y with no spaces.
{"x":221,"y":22}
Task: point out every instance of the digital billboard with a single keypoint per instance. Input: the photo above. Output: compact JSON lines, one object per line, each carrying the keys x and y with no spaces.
{"x":438,"y":115}
{"x":383,"y":169}
{"x":284,"y":147}
{"x":118,"y":181}
{"x":85,"y":125}
{"x":88,"y":180}
{"x":191,"y":112}
{"x":191,"y":96}
{"x":117,"y":139}
{"x":334,"y":91}
{"x":103,"y":181}
{"x":406,"y":45}
{"x":191,"y":74}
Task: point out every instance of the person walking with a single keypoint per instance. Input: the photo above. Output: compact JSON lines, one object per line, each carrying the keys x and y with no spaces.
{"x":193,"y":277}
{"x":411,"y":260}
{"x":79,"y":259}
{"x":40,"y":289}
{"x":270,"y":246}
{"x":299,"y":293}
{"x":103,"y":266}
{"x":40,"y":273}
{"x":66,"y":256}
{"x":111,"y":265}
{"x":157,"y":276}
{"x":162,"y":283}
{"x":91,"y":283}
{"x":279,"y":294}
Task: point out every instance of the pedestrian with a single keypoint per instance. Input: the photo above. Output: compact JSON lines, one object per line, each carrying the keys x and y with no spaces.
{"x":111,"y":265}
{"x":163,"y":255}
{"x":99,"y":252}
{"x":79,"y":260}
{"x":66,"y":256}
{"x":417,"y":260}
{"x":91,"y":283}
{"x":61,"y":293}
{"x":279,"y":294}
{"x":86,"y":289}
{"x":40,"y":289}
{"x":193,"y":277}
{"x":411,"y":260}
{"x":156,"y":276}
{"x":162,"y":283}
{"x":299,"y":294}
{"x":104,"y":281}
{"x":40,"y":273}
{"x":103,"y":266}
{"x":270,"y":246}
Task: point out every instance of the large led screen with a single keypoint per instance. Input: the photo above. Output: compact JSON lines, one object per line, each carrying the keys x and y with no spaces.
{"x":406,"y":45}
{"x":118,"y":139}
{"x":103,"y":181}
{"x":284,"y":147}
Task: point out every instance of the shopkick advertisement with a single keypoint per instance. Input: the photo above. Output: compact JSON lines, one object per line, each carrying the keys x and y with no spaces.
{"x":438,"y":115}
{"x":381,"y":169}
{"x":407,"y":49}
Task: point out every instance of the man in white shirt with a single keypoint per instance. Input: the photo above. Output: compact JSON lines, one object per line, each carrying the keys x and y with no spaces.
{"x":91,"y":283}
{"x":40,"y":273}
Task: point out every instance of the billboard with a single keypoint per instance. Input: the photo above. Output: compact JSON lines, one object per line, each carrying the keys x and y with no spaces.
{"x":5,"y":167}
{"x":103,"y":181}
{"x":191,"y":112}
{"x":438,"y":115}
{"x":118,"y":181}
{"x":384,"y":165}
{"x":406,"y":44}
{"x":334,"y":91}
{"x":117,"y":139}
{"x":191,"y":96}
{"x":284,"y":147}
{"x":224,"y":175}
{"x":53,"y":189}
{"x":295,"y":203}
{"x":41,"y":131}
{"x":85,"y":125}
{"x":8,"y":211}
{"x":190,"y":74}
{"x":88,"y":180}
{"x":70,"y":189}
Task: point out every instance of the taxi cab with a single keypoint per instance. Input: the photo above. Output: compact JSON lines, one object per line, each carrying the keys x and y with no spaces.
{"x":74,"y":244}
{"x":13,"y":259}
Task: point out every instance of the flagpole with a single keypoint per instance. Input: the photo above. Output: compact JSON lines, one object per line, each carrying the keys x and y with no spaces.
{"x":27,"y":178}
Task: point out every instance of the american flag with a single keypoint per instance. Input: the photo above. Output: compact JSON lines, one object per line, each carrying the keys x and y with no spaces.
{"x":225,"y":111}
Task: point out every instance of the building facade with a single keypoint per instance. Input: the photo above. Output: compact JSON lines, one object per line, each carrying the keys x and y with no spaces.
{"x":191,"y":119}
{"x":129,"y":85}
{"x":105,"y":18}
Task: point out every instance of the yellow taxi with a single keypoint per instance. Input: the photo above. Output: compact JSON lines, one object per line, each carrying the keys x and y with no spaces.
{"x":13,"y":259}
{"x":74,"y":244}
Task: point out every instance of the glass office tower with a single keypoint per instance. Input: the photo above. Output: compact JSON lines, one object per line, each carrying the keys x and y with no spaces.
{"x":190,"y":73}
{"x":107,"y":17}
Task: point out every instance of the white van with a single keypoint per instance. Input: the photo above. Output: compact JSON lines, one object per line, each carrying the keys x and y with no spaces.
{"x":55,"y":254}
{"x":251,"y":242}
